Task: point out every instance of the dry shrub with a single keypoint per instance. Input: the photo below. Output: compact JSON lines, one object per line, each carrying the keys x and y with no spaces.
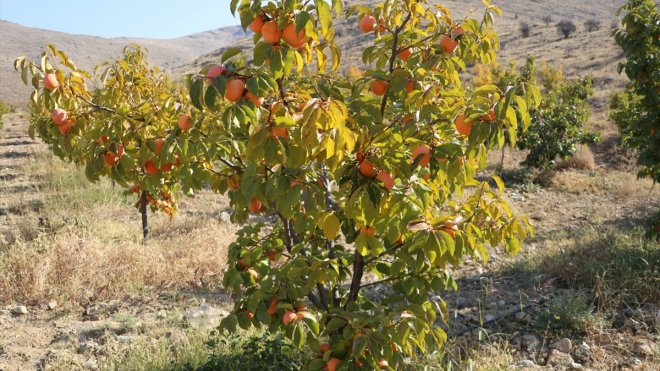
{"x":583,"y":159}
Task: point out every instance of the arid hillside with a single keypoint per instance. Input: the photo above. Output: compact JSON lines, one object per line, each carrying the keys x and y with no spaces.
{"x":541,"y":16}
{"x":88,"y":51}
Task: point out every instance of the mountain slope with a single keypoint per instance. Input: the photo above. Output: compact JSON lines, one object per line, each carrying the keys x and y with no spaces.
{"x":514,"y":47}
{"x":88,"y":51}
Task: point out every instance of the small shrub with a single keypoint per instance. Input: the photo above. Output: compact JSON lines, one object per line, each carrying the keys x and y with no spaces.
{"x":582,"y":159}
{"x":254,"y":353}
{"x":524,"y":29}
{"x":547,"y":20}
{"x":567,"y":314}
{"x":566,"y":28}
{"x":592,"y":25}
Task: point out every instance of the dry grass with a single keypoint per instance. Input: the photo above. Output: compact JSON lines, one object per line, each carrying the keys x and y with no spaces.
{"x":583,"y":159}
{"x":83,"y":242}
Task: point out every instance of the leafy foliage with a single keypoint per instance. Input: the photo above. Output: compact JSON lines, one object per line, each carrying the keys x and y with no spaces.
{"x":557,"y":125}
{"x":635,"y":110}
{"x":373,"y":177}
{"x":253,"y":353}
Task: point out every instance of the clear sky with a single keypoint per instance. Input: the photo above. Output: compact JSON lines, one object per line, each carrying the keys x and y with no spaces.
{"x":160,"y":19}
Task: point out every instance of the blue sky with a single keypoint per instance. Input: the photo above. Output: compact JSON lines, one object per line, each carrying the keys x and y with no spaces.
{"x":135,"y":18}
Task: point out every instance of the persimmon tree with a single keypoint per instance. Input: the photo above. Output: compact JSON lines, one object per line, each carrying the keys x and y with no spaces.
{"x":635,"y":109}
{"x":558,"y":124}
{"x":125,"y":129}
{"x":367,"y":182}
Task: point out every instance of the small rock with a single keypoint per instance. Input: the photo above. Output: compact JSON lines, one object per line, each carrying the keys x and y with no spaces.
{"x":461,"y":302}
{"x":563,"y":345}
{"x":645,"y":348}
{"x":492,"y":305}
{"x":559,"y":359}
{"x":530,"y":342}
{"x":225,"y":217}
{"x":52,"y":305}
{"x":90,"y":364}
{"x":489,"y":318}
{"x":576,"y":366}
{"x":602,"y":339}
{"x":124,"y":339}
{"x":19,"y":310}
{"x":88,"y":346}
{"x":585,"y":346}
{"x":519,"y":316}
{"x":525,"y":363}
{"x":162,"y":314}
{"x":501,"y":303}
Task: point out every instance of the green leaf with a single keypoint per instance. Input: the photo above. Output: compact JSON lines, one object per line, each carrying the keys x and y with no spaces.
{"x":230,"y":52}
{"x":196,"y":94}
{"x":324,"y":13}
{"x":229,"y":323}
{"x":331,"y":227}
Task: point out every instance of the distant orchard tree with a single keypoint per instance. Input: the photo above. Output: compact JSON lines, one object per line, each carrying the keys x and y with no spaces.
{"x":592,"y":25}
{"x":524,"y":29}
{"x":547,"y":20}
{"x":566,"y":28}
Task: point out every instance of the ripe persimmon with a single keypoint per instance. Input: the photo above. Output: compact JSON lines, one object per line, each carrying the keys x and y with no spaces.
{"x":490,"y":116}
{"x":158,"y":145}
{"x":255,"y":205}
{"x":257,"y":101}
{"x":295,"y":40}
{"x":457,"y":32}
{"x":112,"y":158}
{"x":184,"y":122}
{"x":422,"y":150}
{"x":66,"y":127}
{"x":271,"y":32}
{"x":59,"y":116}
{"x":379,"y":87}
{"x":410,"y":86}
{"x":332,"y":364}
{"x":366,"y":169}
{"x":367,"y":23}
{"x":50,"y":82}
{"x":289,"y":316}
{"x":325,"y":347}
{"x":407,"y":118}
{"x":386,"y":178}
{"x":234,"y":90}
{"x":279,"y":132}
{"x":367,"y":231}
{"x":257,"y":24}
{"x":272,"y":308}
{"x":448,"y":44}
{"x":405,"y":54}
{"x":215,"y":71}
{"x":463,"y":127}
{"x":150,"y":167}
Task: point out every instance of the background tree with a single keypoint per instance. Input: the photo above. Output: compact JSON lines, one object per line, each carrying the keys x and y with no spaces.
{"x":524,"y":29}
{"x":592,"y":25}
{"x":558,"y":124}
{"x":635,"y":110}
{"x":368,"y":182}
{"x":566,"y":28}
